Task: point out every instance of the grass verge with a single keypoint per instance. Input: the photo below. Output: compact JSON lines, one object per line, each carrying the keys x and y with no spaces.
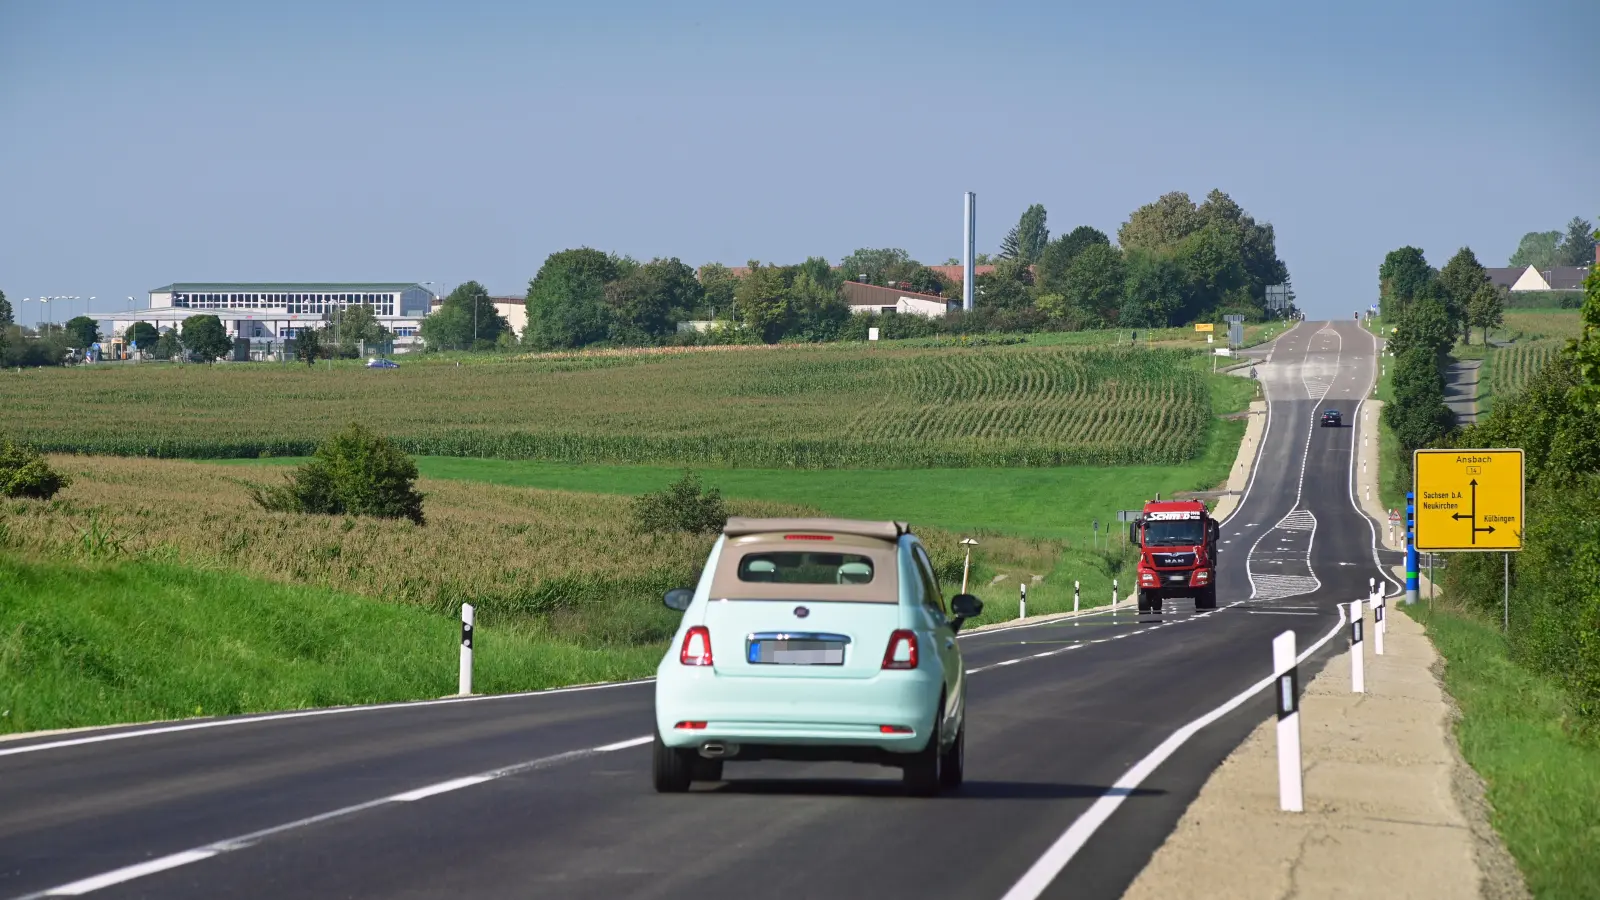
{"x":101,"y":644}
{"x":1543,"y":782}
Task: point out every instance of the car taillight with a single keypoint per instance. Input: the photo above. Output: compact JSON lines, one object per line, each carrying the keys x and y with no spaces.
{"x":902,"y":650}
{"x":696,"y":647}
{"x":894,"y":729}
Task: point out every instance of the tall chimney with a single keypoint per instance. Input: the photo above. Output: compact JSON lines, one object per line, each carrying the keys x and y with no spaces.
{"x":967,"y":246}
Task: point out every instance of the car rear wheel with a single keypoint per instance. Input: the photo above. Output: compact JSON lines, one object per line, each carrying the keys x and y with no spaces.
{"x":673,"y":767}
{"x":953,"y":765}
{"x":921,"y":776}
{"x":1206,"y":598}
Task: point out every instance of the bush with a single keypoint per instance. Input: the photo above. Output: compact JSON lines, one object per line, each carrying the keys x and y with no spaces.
{"x":683,"y":506}
{"x":24,"y":473}
{"x":355,"y":472}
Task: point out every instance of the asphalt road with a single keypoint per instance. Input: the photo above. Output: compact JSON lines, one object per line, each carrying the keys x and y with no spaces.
{"x":1074,"y":775}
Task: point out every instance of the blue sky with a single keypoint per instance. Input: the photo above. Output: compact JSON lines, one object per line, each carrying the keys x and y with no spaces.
{"x":175,"y":140}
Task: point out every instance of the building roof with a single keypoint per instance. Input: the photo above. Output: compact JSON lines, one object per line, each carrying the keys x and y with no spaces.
{"x":1565,"y":278}
{"x":955,"y":273}
{"x":858,"y":294}
{"x":1505,"y":277}
{"x":286,"y":287}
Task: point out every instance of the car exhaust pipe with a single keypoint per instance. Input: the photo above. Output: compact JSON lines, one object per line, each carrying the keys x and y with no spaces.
{"x":714,"y":750}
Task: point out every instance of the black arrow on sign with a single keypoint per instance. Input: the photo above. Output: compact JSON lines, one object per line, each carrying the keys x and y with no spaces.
{"x":1473,"y":516}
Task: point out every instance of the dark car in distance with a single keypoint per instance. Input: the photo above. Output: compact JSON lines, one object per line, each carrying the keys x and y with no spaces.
{"x":1331,"y":417}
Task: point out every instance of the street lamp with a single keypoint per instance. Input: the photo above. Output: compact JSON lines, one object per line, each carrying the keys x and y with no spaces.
{"x":966,"y":567}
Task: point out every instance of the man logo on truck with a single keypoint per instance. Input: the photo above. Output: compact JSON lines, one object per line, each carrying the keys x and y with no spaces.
{"x":1177,"y":542}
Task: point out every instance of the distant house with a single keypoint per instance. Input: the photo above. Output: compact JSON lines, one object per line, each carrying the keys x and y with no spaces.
{"x":1524,"y":279}
{"x":870,"y":298}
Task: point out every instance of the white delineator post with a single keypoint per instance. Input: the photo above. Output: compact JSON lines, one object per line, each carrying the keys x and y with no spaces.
{"x":1022,"y":604}
{"x":1377,"y":625}
{"x":1358,"y":674}
{"x":466,"y":649}
{"x":1113,"y":593}
{"x":1074,"y":596}
{"x":1291,"y":793}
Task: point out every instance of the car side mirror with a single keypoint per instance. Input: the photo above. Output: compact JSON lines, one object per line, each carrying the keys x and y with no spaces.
{"x":679,"y":598}
{"x":965,"y":606}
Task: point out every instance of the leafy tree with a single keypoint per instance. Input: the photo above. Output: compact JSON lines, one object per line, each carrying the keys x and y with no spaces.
{"x":308,"y":343}
{"x":684,"y":506}
{"x":6,"y":317}
{"x":1461,"y":278}
{"x":205,"y":338}
{"x":1424,"y":324}
{"x":1213,"y":270}
{"x":1154,"y":226}
{"x":1418,"y":414}
{"x":355,"y":472}
{"x":1577,"y":248}
{"x":448,"y":327}
{"x":1402,"y":274}
{"x":169,"y":345}
{"x":1486,"y":310}
{"x":1095,"y":282}
{"x":762,"y":301}
{"x":879,"y":266}
{"x":1152,"y":292}
{"x":817,"y":310}
{"x":1007,"y":287}
{"x":566,"y":299}
{"x":654,"y":295}
{"x":25,"y":473}
{"x":482,"y":321}
{"x":1027,"y":239}
{"x":1257,"y":243}
{"x":718,"y":283}
{"x":357,"y":324}
{"x":1059,"y":253}
{"x":1586,"y":349}
{"x":83,"y":331}
{"x":143,"y":335}
{"x":1537,"y":249}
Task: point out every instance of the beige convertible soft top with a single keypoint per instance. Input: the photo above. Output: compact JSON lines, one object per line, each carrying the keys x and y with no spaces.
{"x":873,"y":541}
{"x":883,"y":531}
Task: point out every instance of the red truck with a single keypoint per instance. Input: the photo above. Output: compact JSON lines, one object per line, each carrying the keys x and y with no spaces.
{"x":1177,"y":541}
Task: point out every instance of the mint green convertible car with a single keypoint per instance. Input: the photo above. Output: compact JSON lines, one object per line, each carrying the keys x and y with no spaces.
{"x":814,"y":640}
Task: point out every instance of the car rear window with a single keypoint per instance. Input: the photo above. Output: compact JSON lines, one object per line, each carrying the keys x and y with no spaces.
{"x":806,"y":568}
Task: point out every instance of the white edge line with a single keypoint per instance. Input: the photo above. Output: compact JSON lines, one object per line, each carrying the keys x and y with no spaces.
{"x":1043,"y":872}
{"x":1377,"y":562}
{"x":128,"y":873}
{"x":227,"y":845}
{"x":306,"y":713}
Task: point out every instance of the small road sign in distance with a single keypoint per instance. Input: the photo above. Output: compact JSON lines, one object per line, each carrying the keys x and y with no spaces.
{"x":1468,"y":499}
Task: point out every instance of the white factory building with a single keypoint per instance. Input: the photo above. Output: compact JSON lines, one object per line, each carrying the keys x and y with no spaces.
{"x":268,"y":314}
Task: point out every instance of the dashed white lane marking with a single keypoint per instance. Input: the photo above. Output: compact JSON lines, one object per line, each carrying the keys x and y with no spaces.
{"x":228,"y":845}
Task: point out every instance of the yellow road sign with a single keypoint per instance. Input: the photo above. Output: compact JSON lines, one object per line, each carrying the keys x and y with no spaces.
{"x":1202,"y":326}
{"x":1468,"y":499}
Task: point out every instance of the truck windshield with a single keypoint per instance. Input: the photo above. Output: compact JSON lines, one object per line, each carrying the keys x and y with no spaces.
{"x":1180,"y":533}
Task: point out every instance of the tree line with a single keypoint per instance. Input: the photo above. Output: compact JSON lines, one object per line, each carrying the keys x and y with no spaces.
{"x":1548,"y":249}
{"x":1174,"y":262}
{"x":1555,"y":420}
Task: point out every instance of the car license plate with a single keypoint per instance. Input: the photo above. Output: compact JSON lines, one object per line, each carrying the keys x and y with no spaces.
{"x":1176,"y":578}
{"x":797,"y":653}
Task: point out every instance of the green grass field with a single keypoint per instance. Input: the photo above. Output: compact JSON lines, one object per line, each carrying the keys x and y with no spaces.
{"x":84,"y":644}
{"x":1543,"y":782}
{"x":780,"y":407}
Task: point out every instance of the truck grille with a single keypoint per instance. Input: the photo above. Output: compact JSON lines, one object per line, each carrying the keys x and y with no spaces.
{"x":1173,"y":560}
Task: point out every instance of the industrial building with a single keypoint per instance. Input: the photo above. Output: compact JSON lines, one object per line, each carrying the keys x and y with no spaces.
{"x":268,"y":314}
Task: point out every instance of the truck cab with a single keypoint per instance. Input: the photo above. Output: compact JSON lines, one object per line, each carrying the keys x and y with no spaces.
{"x":1177,"y":542}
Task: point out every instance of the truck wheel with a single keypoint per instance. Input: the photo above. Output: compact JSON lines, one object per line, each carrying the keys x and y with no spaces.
{"x":1206,"y":598}
{"x":673,"y":767}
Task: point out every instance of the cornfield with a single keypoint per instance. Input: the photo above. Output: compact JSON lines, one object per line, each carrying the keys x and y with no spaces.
{"x":1511,"y":368}
{"x":786,"y":407}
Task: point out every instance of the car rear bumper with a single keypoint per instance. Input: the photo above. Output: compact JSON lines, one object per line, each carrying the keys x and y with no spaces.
{"x":816,"y":712}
